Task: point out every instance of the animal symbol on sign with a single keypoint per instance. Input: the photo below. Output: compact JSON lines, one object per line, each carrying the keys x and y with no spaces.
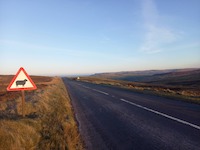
{"x":21,"y":82}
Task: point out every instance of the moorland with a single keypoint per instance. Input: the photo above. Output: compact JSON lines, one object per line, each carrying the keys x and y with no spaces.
{"x":49,"y":121}
{"x":175,"y":83}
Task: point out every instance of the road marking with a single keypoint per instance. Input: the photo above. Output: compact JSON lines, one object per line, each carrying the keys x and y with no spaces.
{"x":85,"y":87}
{"x":100,"y":91}
{"x":94,"y":90}
{"x":151,"y":110}
{"x":162,"y":114}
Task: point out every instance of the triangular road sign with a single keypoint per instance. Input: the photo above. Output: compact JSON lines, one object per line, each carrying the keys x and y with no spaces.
{"x":21,"y":81}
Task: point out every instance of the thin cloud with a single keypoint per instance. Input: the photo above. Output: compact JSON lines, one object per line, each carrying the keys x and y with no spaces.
{"x":105,"y":39}
{"x":157,"y":35}
{"x":29,"y":46}
{"x":34,"y":48}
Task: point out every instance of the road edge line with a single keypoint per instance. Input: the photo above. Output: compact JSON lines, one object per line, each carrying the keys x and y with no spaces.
{"x":162,"y":114}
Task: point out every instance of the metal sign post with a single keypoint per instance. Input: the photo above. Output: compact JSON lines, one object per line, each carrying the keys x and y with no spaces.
{"x":21,"y":82}
{"x":23,"y":104}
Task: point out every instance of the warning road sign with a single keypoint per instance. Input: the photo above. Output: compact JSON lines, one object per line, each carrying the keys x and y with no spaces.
{"x":21,"y":81}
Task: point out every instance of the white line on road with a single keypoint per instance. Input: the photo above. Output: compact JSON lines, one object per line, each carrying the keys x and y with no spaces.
{"x":162,"y":114}
{"x":100,"y":91}
{"x":86,"y":87}
{"x":151,"y":110}
{"x":94,"y":89}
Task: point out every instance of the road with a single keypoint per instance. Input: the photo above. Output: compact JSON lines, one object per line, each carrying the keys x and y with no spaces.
{"x":115,"y":118}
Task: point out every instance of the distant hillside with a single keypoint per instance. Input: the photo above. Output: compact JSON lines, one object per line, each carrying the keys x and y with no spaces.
{"x":182,"y":77}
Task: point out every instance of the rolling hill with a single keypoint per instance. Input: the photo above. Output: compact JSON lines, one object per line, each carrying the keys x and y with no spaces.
{"x":172,"y":77}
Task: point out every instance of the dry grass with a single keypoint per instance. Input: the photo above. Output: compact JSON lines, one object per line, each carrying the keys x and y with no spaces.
{"x":17,"y":135}
{"x":49,"y":121}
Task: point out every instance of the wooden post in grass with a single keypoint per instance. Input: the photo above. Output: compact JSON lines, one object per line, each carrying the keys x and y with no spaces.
{"x":23,"y":104}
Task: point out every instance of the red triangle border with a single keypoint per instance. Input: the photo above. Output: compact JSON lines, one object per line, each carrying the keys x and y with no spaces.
{"x":17,"y":89}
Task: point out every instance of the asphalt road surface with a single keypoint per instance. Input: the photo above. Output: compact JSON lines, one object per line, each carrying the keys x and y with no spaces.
{"x":114,"y":118}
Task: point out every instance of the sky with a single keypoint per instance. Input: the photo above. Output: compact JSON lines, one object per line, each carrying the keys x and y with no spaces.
{"x":69,"y":37}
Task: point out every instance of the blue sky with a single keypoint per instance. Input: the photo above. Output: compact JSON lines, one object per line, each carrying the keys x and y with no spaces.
{"x":68,"y":37}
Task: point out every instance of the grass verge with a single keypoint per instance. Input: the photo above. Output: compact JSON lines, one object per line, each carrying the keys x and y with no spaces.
{"x":49,"y":122}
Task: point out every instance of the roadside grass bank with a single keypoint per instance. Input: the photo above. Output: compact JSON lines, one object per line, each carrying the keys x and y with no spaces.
{"x":49,"y":122}
{"x":176,"y":92}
